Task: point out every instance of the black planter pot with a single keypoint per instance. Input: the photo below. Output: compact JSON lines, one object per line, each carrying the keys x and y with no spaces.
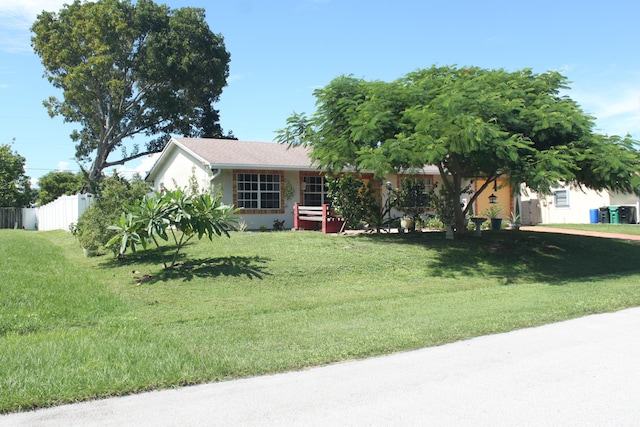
{"x":496,"y":223}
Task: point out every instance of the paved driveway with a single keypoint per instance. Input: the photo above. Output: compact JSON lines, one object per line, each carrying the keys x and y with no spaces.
{"x":582,"y":372}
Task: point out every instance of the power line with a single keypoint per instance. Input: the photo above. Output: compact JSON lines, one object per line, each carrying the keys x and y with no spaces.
{"x":51,"y":170}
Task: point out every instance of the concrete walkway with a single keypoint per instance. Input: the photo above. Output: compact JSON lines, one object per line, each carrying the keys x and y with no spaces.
{"x":582,"y":372}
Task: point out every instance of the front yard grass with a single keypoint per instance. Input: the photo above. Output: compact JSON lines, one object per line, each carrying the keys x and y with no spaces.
{"x":633,"y":229}
{"x":75,"y":328}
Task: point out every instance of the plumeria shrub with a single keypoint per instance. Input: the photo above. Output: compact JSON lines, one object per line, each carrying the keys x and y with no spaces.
{"x":172,"y":216}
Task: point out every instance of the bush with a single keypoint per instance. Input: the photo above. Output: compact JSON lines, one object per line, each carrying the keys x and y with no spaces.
{"x":350,"y":198}
{"x":92,"y":229}
{"x":114,"y":192}
{"x":357,"y":202}
{"x":411,"y":198}
{"x":434,"y":223}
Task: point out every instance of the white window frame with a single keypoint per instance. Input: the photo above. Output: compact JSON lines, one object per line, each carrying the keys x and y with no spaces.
{"x":561,"y":202}
{"x":252,"y":191}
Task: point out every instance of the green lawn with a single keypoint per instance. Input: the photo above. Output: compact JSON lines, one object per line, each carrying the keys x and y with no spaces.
{"x":633,"y":229}
{"x":75,"y":328}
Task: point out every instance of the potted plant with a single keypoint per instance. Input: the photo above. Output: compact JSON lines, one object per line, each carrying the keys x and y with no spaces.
{"x":514,"y":221}
{"x":493,"y":212}
{"x":444,"y":209}
{"x":412,"y":200}
{"x":91,"y":230}
{"x":406,"y":223}
{"x":89,"y":239}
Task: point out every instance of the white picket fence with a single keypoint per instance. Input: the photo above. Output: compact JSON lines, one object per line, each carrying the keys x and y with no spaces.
{"x":57,"y":215}
{"x":60,"y":213}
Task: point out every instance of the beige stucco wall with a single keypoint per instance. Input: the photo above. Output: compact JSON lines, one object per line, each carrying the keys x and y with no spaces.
{"x":177,"y":169}
{"x":255,"y":221}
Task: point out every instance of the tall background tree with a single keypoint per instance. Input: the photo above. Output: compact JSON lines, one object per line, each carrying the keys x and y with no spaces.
{"x":57,"y":183}
{"x":15,"y":185}
{"x":470,"y":123}
{"x":131,"y":69}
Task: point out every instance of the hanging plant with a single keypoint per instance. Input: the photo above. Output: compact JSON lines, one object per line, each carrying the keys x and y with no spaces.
{"x":289,"y":191}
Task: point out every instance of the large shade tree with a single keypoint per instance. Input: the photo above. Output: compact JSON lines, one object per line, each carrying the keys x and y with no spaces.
{"x":58,"y":183}
{"x":15,"y":185}
{"x":131,"y":69}
{"x":470,"y":123}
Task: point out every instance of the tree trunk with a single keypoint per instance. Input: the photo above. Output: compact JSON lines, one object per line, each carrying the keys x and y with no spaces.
{"x":95,"y":171}
{"x":460,"y":227}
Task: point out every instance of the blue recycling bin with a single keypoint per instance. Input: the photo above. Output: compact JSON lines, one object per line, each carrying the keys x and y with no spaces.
{"x":594,"y":216}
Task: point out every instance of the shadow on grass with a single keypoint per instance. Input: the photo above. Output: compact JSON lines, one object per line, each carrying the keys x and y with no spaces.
{"x":187,"y":268}
{"x":233,"y":266}
{"x":143,"y":257}
{"x":517,"y":257}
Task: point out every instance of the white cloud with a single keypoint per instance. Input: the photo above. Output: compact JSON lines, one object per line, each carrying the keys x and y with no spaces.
{"x":234,"y":77}
{"x":147,"y":162}
{"x":63,"y":166}
{"x":25,"y":11}
{"x":566,"y":68}
{"x":610,"y":93}
{"x":615,"y":105}
{"x":142,"y":167}
{"x":16,"y":18}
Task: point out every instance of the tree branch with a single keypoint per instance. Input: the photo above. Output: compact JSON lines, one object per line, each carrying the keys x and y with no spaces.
{"x":128,"y":158}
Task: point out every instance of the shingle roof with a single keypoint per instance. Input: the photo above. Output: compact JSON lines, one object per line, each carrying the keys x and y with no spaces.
{"x":221,"y":153}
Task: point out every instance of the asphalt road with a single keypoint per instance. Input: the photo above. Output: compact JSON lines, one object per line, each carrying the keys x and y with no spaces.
{"x":582,"y":372}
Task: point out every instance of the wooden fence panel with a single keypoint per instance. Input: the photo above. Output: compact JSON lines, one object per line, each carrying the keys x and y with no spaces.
{"x":10,"y":217}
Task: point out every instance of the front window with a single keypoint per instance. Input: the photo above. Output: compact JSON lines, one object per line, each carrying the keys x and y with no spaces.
{"x":414,"y":191}
{"x":258,"y":191}
{"x":314,"y":190}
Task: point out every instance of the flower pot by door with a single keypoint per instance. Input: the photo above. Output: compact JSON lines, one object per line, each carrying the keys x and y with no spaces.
{"x":449,"y":232}
{"x":406,"y":224}
{"x":496,"y":223}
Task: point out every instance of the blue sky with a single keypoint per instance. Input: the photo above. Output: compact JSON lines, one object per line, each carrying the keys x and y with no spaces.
{"x":282,"y":50}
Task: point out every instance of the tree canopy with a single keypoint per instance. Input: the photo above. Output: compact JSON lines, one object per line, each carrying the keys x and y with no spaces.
{"x":57,"y":183}
{"x":470,"y":123}
{"x":15,"y":185}
{"x":131,"y":69}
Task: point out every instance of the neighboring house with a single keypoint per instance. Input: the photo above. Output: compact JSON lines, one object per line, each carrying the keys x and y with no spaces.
{"x":265,"y":179}
{"x":572,"y":205}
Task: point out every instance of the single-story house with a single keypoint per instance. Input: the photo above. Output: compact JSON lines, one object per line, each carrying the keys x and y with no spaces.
{"x":265,"y":179}
{"x":571,"y":204}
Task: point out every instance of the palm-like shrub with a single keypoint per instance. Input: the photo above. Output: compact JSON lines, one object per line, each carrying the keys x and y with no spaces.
{"x":174,"y":216}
